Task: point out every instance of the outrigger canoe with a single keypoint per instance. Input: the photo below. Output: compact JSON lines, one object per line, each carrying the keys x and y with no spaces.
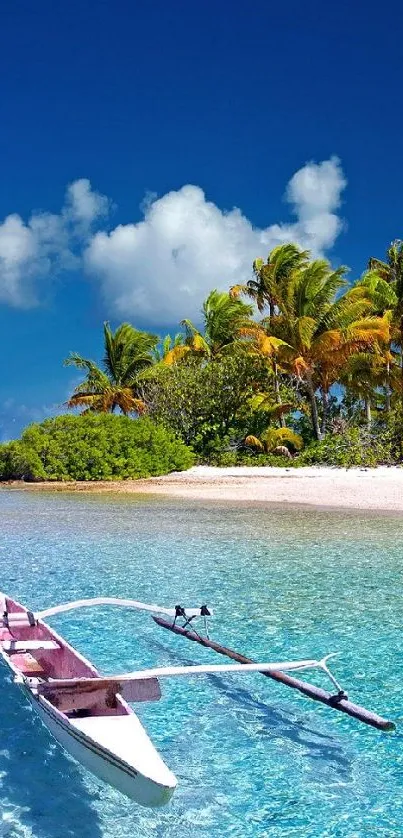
{"x":89,"y":714}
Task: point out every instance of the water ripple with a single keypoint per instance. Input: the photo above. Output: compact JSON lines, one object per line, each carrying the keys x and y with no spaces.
{"x":253,"y":759}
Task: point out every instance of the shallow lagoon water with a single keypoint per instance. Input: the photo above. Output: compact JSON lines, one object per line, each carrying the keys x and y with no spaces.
{"x":252,"y":758}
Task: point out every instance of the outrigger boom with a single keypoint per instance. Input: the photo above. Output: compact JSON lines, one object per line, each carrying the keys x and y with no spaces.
{"x":173,"y":671}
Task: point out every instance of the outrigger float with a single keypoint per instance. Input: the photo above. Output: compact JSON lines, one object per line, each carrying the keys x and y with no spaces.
{"x":88,"y":713}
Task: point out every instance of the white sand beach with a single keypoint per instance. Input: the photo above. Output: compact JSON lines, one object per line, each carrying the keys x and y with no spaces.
{"x":380,"y":488}
{"x":356,"y":488}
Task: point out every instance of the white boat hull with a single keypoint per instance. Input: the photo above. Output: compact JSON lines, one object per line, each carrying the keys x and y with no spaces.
{"x":102,"y":763}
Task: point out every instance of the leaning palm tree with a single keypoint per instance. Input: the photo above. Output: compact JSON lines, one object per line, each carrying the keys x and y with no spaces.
{"x":223,"y":320}
{"x":271,"y":277}
{"x":113,"y":386}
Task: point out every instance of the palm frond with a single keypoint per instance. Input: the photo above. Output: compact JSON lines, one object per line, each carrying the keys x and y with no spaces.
{"x":175,"y":354}
{"x":190,"y":328}
{"x":304,"y":331}
{"x":237,"y":290}
{"x":76,"y":360}
{"x":253,"y":442}
{"x":272,"y":437}
{"x":380,"y":292}
{"x":264,"y":402}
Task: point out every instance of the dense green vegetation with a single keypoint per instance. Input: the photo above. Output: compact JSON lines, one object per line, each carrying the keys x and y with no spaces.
{"x":316,"y":377}
{"x":93,"y":447}
{"x":207,"y":404}
{"x":296,"y":366}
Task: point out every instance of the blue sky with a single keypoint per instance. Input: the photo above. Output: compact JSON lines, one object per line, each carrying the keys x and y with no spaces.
{"x":131,"y":131}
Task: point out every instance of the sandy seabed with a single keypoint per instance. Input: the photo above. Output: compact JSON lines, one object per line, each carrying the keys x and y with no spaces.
{"x":356,"y":488}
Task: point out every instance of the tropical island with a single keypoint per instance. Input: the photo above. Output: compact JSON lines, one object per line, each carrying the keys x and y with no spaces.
{"x":296,"y":368}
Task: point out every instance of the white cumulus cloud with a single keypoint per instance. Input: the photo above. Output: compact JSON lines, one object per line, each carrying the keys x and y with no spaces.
{"x":83,"y":205}
{"x":47,"y":243}
{"x":18,"y":252}
{"x":160,"y":269}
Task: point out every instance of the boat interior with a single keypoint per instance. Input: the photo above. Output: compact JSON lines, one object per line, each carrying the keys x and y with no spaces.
{"x":39,"y":654}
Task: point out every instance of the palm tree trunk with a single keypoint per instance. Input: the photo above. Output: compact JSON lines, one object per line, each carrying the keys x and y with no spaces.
{"x":314,"y":408}
{"x":368,"y":414}
{"x":325,"y":408}
{"x":387,"y":388}
{"x":277,"y":392}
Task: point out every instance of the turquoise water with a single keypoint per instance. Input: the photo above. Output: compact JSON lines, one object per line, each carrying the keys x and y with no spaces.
{"x":252,"y":758}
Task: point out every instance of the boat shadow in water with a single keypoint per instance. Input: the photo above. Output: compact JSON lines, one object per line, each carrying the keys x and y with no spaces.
{"x":41,"y":789}
{"x":275,"y":723}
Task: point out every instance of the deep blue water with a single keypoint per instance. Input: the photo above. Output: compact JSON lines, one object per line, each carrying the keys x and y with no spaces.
{"x":252,"y":758}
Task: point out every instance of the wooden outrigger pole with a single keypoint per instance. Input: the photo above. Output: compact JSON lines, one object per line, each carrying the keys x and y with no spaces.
{"x":336,"y":702}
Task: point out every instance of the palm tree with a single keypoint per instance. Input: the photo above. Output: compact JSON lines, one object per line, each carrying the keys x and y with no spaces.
{"x":384,"y":302}
{"x":271,"y":277}
{"x":391,"y":272}
{"x":364,"y":375}
{"x":223,"y":320}
{"x":268,"y":286}
{"x":128,"y":351}
{"x":264,"y":345}
{"x":321,"y":331}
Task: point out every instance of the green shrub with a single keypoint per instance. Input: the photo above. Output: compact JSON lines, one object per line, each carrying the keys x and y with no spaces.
{"x":18,"y":460}
{"x":355,"y":447}
{"x":243,"y":458}
{"x":222,"y":458}
{"x":393,"y":432}
{"x":93,"y":447}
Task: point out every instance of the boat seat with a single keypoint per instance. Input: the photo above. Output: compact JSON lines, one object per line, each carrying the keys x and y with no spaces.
{"x":29,"y":645}
{"x":27,"y":664}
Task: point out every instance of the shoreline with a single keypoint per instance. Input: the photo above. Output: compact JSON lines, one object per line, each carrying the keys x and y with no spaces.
{"x":377,"y":489}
